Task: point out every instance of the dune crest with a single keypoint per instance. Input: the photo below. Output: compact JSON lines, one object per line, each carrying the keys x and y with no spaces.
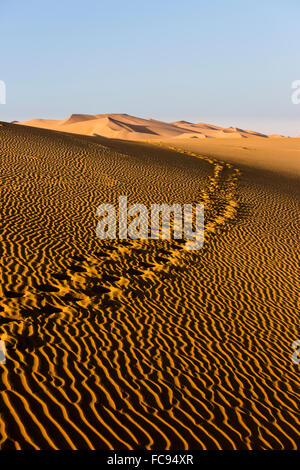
{"x":124,"y":126}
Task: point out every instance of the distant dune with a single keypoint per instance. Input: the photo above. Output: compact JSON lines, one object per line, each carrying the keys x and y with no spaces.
{"x":123,"y":126}
{"x":273,"y":152}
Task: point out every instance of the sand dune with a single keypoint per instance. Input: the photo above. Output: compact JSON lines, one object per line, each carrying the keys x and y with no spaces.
{"x":142,"y":344}
{"x":123,"y":126}
{"x":278,"y":154}
{"x":271,"y":152}
{"x":235,"y":145}
{"x":75,"y":118}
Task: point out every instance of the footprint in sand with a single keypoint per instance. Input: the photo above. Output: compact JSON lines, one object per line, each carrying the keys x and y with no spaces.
{"x":47,"y":288}
{"x":49,"y":309}
{"x":28,"y":343}
{"x":78,"y":258}
{"x":35,"y":312}
{"x":76,"y":269}
{"x":110,"y":278}
{"x":134,"y":272}
{"x":147,"y":265}
{"x":101,"y":254}
{"x":94,"y":288}
{"x":126,"y":243}
{"x":12,"y":294}
{"x":69,"y":297}
{"x":162,"y":259}
{"x":4,"y":320}
{"x":61,"y":277}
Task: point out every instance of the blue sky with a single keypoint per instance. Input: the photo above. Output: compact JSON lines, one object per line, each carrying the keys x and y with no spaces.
{"x":228,"y":62}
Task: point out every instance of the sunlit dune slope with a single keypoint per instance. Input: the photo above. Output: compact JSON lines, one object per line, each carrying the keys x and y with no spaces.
{"x":277,"y":154}
{"x":123,"y":126}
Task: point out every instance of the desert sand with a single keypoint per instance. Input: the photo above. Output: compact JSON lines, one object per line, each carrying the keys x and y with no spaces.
{"x":271,"y":152}
{"x":124,"y":126}
{"x":143,"y":344}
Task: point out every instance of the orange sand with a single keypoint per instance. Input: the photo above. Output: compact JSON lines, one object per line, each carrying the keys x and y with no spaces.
{"x":142,"y":344}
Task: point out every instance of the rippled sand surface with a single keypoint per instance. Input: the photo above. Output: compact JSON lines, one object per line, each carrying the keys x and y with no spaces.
{"x":143,"y":344}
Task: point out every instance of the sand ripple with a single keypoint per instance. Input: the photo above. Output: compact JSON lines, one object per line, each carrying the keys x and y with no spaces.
{"x":135,"y":344}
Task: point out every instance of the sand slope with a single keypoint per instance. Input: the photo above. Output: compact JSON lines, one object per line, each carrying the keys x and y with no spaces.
{"x":280,"y":155}
{"x":141,"y":344}
{"x":273,"y":152}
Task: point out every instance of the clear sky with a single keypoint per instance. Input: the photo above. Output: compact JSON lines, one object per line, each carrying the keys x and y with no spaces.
{"x":228,"y":62}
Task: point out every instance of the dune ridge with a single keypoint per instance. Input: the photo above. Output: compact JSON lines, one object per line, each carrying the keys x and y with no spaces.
{"x":123,"y":126}
{"x":238,"y":146}
{"x":142,"y":344}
